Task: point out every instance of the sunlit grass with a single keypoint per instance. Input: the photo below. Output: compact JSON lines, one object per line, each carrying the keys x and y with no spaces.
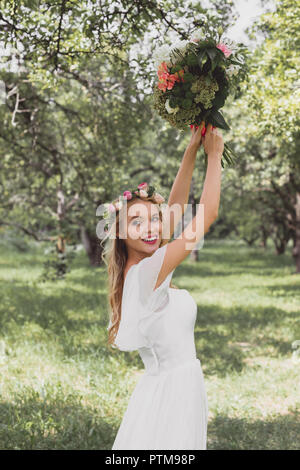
{"x":61,"y":387}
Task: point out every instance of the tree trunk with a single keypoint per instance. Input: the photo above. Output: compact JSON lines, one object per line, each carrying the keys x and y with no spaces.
{"x":249,"y":241}
{"x":264,"y":238}
{"x":61,"y":244}
{"x":92,"y":246}
{"x":296,"y":249}
{"x":280,"y":247}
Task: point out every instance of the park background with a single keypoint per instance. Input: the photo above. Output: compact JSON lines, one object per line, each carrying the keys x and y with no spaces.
{"x":77,"y":129}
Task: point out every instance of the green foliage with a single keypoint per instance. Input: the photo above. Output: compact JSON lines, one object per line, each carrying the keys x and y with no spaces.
{"x":76,"y":127}
{"x":273,"y":89}
{"x":265,"y":129}
{"x":218,"y":120}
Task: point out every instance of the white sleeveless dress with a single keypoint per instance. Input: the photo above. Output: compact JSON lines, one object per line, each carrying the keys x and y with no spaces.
{"x":168,"y":408}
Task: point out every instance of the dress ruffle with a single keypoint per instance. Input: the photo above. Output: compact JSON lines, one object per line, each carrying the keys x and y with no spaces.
{"x":141,"y":304}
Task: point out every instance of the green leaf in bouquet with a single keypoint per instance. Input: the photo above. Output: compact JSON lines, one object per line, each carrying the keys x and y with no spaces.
{"x":219,"y":99}
{"x":191,"y":59}
{"x":201,"y":57}
{"x":216,"y":62}
{"x":172,"y":101}
{"x":176,"y":90}
{"x":228,"y":155}
{"x":236,"y":62}
{"x":176,"y":68}
{"x":178,"y":55}
{"x":188,"y":77}
{"x":217,"y":120}
{"x":211,"y":53}
{"x":187,"y":103}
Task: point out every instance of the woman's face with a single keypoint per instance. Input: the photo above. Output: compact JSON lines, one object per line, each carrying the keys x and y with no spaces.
{"x":144,"y":228}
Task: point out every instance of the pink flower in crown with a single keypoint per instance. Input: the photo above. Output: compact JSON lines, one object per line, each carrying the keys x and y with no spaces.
{"x":143,"y":186}
{"x":226,"y":51}
{"x":159,"y":198}
{"x":143,"y":193}
{"x":127,"y":195}
{"x":111,"y":208}
{"x":119,"y":205}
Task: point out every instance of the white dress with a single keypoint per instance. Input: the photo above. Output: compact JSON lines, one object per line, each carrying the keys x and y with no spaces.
{"x":168,"y":407}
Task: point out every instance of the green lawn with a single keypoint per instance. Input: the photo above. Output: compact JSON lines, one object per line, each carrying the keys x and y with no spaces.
{"x":61,"y":387}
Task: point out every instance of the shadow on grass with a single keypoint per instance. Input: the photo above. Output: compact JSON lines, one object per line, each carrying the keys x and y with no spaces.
{"x":238,"y":261}
{"x":219,"y":332}
{"x":62,"y":423}
{"x":73,"y":316}
{"x":52,"y":311}
{"x":279,"y":290}
{"x":279,"y":432}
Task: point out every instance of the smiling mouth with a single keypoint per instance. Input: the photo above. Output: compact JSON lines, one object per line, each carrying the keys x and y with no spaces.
{"x":150,"y":240}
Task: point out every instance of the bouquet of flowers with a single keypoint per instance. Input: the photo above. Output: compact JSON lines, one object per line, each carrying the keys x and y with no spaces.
{"x":194,"y":79}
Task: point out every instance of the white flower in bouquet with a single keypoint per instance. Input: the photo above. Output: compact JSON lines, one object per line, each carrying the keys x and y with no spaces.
{"x":180,"y":44}
{"x":197,"y":36}
{"x":232,"y":70}
{"x":169,"y":108}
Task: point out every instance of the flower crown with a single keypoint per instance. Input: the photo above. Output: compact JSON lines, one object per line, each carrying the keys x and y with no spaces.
{"x":143,"y":191}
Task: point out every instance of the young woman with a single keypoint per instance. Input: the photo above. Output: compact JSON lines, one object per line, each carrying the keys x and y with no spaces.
{"x":168,"y":407}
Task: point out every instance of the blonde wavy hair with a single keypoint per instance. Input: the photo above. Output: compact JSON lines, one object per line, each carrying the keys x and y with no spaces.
{"x":114,"y":255}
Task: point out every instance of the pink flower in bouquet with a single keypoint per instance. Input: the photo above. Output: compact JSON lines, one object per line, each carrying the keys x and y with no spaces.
{"x":162,"y":71}
{"x":167,"y":80}
{"x":127,"y":195}
{"x":143,"y":186}
{"x":226,"y":51}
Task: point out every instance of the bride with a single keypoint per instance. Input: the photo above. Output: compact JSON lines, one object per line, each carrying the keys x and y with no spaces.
{"x":168,"y":408}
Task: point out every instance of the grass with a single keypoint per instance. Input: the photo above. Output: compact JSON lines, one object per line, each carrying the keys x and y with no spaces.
{"x":61,"y":387}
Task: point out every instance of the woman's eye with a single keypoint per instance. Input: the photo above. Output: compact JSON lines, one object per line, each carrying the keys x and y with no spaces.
{"x":136,"y":222}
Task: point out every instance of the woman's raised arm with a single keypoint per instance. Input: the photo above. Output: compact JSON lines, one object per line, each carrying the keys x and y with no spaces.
{"x":179,"y":194}
{"x":178,"y":249}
